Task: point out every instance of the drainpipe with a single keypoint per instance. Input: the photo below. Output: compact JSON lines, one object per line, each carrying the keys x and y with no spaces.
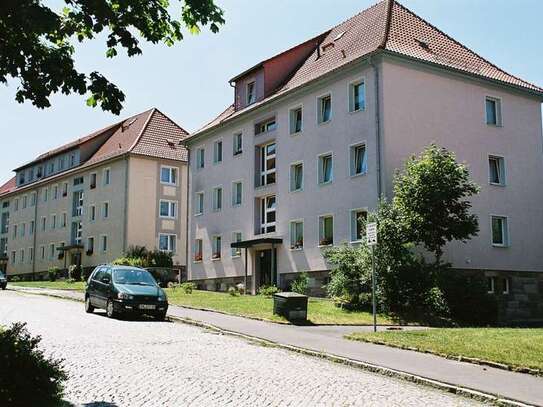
{"x":377,"y":128}
{"x":126,"y":183}
{"x":187,"y":217}
{"x":35,"y":236}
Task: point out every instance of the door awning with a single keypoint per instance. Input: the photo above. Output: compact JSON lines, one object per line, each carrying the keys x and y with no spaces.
{"x":245,"y":244}
{"x":71,"y":247}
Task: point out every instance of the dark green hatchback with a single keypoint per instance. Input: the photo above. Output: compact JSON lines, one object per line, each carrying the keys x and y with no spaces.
{"x":125,"y":290}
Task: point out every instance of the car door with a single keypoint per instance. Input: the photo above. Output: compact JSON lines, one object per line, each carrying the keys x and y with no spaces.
{"x":93,"y":287}
{"x":107,"y":284}
{"x":102,"y":287}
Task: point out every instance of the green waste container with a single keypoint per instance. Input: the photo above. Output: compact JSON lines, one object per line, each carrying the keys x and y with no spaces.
{"x":292,"y":306}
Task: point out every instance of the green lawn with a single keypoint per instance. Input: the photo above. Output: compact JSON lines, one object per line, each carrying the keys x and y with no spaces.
{"x":320,"y":311}
{"x":515,"y":347}
{"x":57,"y":285}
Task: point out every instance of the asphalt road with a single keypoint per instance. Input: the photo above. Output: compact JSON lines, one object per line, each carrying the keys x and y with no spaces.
{"x":148,"y":363}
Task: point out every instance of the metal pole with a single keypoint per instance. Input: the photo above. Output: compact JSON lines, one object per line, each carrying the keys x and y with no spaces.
{"x":373,"y":299}
{"x":246,"y":265}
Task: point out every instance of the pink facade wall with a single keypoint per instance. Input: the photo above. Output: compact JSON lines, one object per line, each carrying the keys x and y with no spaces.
{"x":421,"y":106}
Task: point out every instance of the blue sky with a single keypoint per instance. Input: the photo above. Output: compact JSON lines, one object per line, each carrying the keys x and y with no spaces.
{"x":189,"y":82}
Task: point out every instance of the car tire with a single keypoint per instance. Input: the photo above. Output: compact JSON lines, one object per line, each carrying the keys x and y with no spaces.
{"x":88,"y":306}
{"x":110,"y":310}
{"x":160,"y":316}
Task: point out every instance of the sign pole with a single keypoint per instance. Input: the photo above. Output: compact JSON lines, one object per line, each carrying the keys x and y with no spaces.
{"x":373,"y":299}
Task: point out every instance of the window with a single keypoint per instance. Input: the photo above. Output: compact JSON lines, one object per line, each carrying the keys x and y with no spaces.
{"x":326,"y":230}
{"x":216,"y":242}
{"x":31,"y":228}
{"x":265,"y":126}
{"x":496,"y":170}
{"x":251,"y":92}
{"x":39,"y":172}
{"x":490,"y":283}
{"x":92,"y":213}
{"x":78,"y":203}
{"x":53,"y":221}
{"x":22,"y":255}
{"x":325,"y":168}
{"x":236,"y":237}
{"x":296,"y":177}
{"x":61,"y":163}
{"x":25,"y":200}
{"x":358,"y":216}
{"x":13,"y":254}
{"x":30,"y":254}
{"x":217,"y":152}
{"x":90,"y":244}
{"x":33,"y":198}
{"x":52,"y":251}
{"x":51,"y":168}
{"x":5,"y":223}
{"x":72,"y":160}
{"x":217,"y":199}
{"x":42,"y":251}
{"x":168,"y":175}
{"x":65,"y":189}
{"x":267,"y":214}
{"x":168,"y":209}
{"x":199,"y":206}
{"x":237,"y":193}
{"x":359,"y":161}
{"x":237,"y":144}
{"x":14,"y":232}
{"x":324,"y":109}
{"x":92,"y":181}
{"x":357,"y":96}
{"x":23,"y":229}
{"x":16,"y":204}
{"x":55,"y":191}
{"x":43,"y":223}
{"x":22,"y":178}
{"x":166,"y":243}
{"x":64,"y":220}
{"x":198,"y":250}
{"x":105,"y":210}
{"x":45,"y":194}
{"x":295,"y":119}
{"x":77,"y":233}
{"x":267,"y":164}
{"x":200,"y":158}
{"x":297,"y":234}
{"x":78,"y":181}
{"x":106,"y":177}
{"x":500,"y":236}
{"x":493,"y":111}
{"x":103,"y":245}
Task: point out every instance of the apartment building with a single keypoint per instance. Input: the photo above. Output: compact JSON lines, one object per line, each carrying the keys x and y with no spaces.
{"x":86,"y":202}
{"x":315,"y":134}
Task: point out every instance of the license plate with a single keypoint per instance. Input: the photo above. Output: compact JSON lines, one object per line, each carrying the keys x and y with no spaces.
{"x":147,"y":306}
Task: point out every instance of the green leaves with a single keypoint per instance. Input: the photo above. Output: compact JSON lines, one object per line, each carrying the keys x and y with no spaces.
{"x":35,"y":42}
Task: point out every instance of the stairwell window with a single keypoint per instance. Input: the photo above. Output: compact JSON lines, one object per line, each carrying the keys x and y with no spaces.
{"x":493,"y":111}
{"x":168,"y":175}
{"x":217,"y":152}
{"x":251,"y":93}
{"x":326,"y":230}
{"x":267,"y":214}
{"x":166,"y":243}
{"x":296,"y":120}
{"x":358,"y":159}
{"x":499,"y":230}
{"x":237,"y":144}
{"x":357,"y":96}
{"x":217,"y":199}
{"x":496,"y":170}
{"x":296,"y":177}
{"x":168,"y":209}
{"x":237,"y":193}
{"x":267,"y":164}
{"x":217,"y":246}
{"x":325,"y":169}
{"x":324,"y":109}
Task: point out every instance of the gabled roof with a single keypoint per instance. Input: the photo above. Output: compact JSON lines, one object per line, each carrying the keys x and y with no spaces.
{"x":8,"y":186}
{"x":386,"y":26}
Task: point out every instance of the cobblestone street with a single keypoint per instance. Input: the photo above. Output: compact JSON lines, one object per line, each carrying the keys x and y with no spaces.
{"x":147,"y":363}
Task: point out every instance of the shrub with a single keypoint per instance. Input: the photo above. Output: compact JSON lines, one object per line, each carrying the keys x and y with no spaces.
{"x":173,"y":285}
{"x":128,"y":261}
{"x":28,"y":378}
{"x":187,"y":287}
{"x":74,"y":272}
{"x":52,"y":273}
{"x":268,"y":290}
{"x":15,"y":279}
{"x":138,"y":252}
{"x":241,"y":288}
{"x":159,"y":258}
{"x":232,"y":291}
{"x":301,"y":284}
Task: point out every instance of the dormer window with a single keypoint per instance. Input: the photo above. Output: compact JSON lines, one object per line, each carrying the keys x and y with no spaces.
{"x":251,"y":93}
{"x":21,"y":178}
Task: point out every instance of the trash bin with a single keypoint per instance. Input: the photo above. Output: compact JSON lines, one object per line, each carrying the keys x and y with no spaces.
{"x":292,"y":306}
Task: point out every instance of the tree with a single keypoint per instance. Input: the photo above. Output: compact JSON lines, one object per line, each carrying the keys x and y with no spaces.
{"x":431,"y":197}
{"x":36,"y":42}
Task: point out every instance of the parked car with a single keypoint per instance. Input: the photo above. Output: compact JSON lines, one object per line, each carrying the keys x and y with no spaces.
{"x":3,"y":281}
{"x":125,"y":290}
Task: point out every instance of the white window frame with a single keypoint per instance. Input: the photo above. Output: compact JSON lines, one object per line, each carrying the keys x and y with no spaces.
{"x":200,"y":158}
{"x":263,"y":210}
{"x":291,"y":232}
{"x":53,"y":224}
{"x":95,"y":175}
{"x":267,"y":127}
{"x":501,"y":170}
{"x":43,"y":223}
{"x":505,"y":231}
{"x":80,"y":203}
{"x":235,"y":252}
{"x":169,"y":236}
{"x":200,"y":249}
{"x":172,"y":213}
{"x":319,"y":110}
{"x":352,"y":85}
{"x":104,"y":247}
{"x":42,"y":252}
{"x":64,"y":191}
{"x":320,"y":169}
{"x":234,"y":195}
{"x":250,"y":98}
{"x":92,"y":213}
{"x":216,"y":157}
{"x":55,"y":191}
{"x":215,"y":201}
{"x":263,"y":167}
{"x":292,"y":179}
{"x":498,"y":104}
{"x":352,"y":156}
{"x":103,"y":210}
{"x":199,"y":211}
{"x":106,"y":176}
{"x":52,"y":249}
{"x":64,"y":220}
{"x":353,"y":223}
{"x":170,"y":169}
{"x":492,"y":280}
{"x":237,"y":153}
{"x":292,"y":120}
{"x":30,"y":254}
{"x":321,"y":229}
{"x":93,"y":243}
{"x":216,"y":255}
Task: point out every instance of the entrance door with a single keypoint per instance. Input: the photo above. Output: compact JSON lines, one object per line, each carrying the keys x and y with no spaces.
{"x":265,"y":272}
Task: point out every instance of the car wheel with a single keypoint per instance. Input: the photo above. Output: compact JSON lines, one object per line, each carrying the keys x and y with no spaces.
{"x":88,"y":306}
{"x":160,"y":316}
{"x":110,"y":311}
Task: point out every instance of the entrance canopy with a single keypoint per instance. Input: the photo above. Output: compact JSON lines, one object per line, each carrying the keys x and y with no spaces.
{"x":245,"y":244}
{"x":71,"y":247}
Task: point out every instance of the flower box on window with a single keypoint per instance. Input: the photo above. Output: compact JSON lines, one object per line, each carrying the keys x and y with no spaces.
{"x":198,"y":257}
{"x":298,"y":245}
{"x":90,"y":252}
{"x":216,"y":256}
{"x":325,"y":242}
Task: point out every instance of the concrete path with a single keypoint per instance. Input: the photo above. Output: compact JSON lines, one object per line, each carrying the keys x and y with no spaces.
{"x":520,"y":387}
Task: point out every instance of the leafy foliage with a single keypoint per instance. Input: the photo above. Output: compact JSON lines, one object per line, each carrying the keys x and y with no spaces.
{"x":188,"y":287}
{"x":52,"y":273}
{"x":301,"y":284}
{"x":129,"y":261}
{"x":28,"y":378}
{"x":268,"y":290}
{"x":36,"y":42}
{"x":136,"y":251}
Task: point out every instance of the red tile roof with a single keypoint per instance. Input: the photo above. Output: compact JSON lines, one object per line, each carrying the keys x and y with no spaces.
{"x":386,"y":26}
{"x":8,"y":186}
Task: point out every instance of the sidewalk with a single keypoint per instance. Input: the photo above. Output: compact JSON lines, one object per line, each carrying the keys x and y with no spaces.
{"x":329,"y":340}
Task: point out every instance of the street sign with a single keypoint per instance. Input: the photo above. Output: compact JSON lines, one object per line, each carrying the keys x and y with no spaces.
{"x":371,"y":234}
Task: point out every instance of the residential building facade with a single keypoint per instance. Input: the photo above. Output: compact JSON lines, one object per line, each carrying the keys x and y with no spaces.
{"x":88,"y":201}
{"x":316,"y":133}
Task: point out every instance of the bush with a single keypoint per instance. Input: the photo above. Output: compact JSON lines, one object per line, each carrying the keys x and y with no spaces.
{"x":15,"y":279}
{"x":137,"y":252}
{"x":241,"y":288}
{"x":128,"y":261}
{"x":28,"y":378}
{"x":232,"y":291}
{"x":52,"y":273}
{"x":268,"y":290}
{"x":187,"y":287}
{"x":158,"y":258}
{"x":301,"y":284}
{"x":74,"y":272}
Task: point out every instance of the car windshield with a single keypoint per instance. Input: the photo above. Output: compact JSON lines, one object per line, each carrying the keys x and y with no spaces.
{"x":133,"y":276}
